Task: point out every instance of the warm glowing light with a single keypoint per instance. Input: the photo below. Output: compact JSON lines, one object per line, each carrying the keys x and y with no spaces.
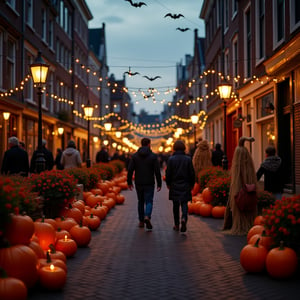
{"x":6,"y":115}
{"x":52,"y":268}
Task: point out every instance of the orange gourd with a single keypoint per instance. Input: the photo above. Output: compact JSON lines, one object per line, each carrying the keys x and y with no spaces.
{"x":45,"y":233}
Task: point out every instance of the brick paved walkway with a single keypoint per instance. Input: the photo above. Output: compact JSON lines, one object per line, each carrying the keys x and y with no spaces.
{"x":125,"y":262}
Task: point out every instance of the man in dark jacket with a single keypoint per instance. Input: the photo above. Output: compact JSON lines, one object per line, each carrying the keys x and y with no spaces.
{"x":271,"y":168}
{"x":15,"y":160}
{"x":102,"y":155}
{"x":47,"y":155}
{"x":146,"y":167}
{"x":217,"y":156}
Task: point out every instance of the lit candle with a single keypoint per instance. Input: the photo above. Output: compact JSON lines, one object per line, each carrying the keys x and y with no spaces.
{"x":67,"y":246}
{"x":52,"y":277}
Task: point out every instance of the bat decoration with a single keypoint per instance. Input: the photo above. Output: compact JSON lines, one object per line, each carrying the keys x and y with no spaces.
{"x":174,"y":16}
{"x":131,"y":73}
{"x":152,"y":78}
{"x":182,"y":29}
{"x":136,"y":4}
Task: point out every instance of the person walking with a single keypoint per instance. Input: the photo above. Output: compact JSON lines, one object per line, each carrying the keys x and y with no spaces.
{"x":201,"y":157}
{"x":102,"y":155}
{"x":242,"y":172}
{"x":15,"y":160}
{"x":180,"y":179}
{"x":146,"y":167}
{"x":58,"y":156}
{"x":48,"y":156}
{"x":271,"y":168}
{"x":217,"y":156}
{"x":71,"y":157}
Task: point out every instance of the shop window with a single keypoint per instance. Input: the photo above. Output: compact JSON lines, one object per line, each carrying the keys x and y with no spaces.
{"x":267,"y":136}
{"x":265,"y":106}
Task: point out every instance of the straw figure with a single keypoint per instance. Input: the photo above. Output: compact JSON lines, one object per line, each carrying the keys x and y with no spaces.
{"x":242,"y":171}
{"x":202,"y":157}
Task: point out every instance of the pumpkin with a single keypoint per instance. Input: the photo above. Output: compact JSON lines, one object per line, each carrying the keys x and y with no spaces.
{"x":97,"y":191}
{"x":81,"y":235}
{"x":12,"y":288}
{"x":253,"y":230}
{"x":54,"y":261}
{"x":218,"y":211}
{"x":38,"y":250}
{"x":120,"y":199}
{"x":191,"y":207}
{"x":61,"y":233}
{"x":264,"y":240}
{"x":259,"y":220}
{"x":207,"y":195}
{"x":92,"y":200}
{"x":52,"y":277}
{"x":93,"y":222}
{"x":103,"y":186}
{"x":67,"y":246}
{"x":72,"y":212}
{"x":253,"y":257}
{"x":49,"y":221}
{"x":86,"y":195}
{"x":80,"y":205}
{"x":56,"y":254}
{"x":196,"y":189}
{"x":21,"y":262}
{"x":45,"y":233}
{"x":197,"y":207}
{"x":65,"y":223}
{"x":281,"y":262}
{"x":205,"y":209}
{"x":19,"y":230}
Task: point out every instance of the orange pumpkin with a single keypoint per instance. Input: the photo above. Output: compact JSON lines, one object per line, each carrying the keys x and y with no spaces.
{"x":205,"y":209}
{"x":21,"y":262}
{"x":207,"y":195}
{"x":99,"y":211}
{"x":65,"y":223}
{"x":103,"y":186}
{"x":81,"y":235}
{"x":67,"y":246}
{"x":54,"y":261}
{"x":120,"y":199}
{"x":253,"y":257}
{"x":38,"y":250}
{"x":218,"y":211}
{"x":57,"y":254}
{"x":19,"y":230}
{"x":264,"y":240}
{"x":92,"y":200}
{"x":72,"y":212}
{"x":49,"y":221}
{"x":61,"y":233}
{"x":259,"y":220}
{"x":93,"y":222}
{"x":281,"y":262}
{"x":45,"y":233}
{"x":253,"y":230}
{"x":195,"y":189}
{"x":79,"y":204}
{"x":12,"y":289}
{"x":52,"y":277}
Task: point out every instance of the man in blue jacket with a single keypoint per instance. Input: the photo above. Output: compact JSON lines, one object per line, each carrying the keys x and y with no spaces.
{"x":145,"y":164}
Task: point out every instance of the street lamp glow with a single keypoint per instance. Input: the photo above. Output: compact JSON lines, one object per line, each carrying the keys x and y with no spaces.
{"x":88,"y":110}
{"x":107,"y":126}
{"x":39,"y":70}
{"x":60,"y":130}
{"x":225,"y":90}
{"x":118,"y":134}
{"x":6,"y":115}
{"x":194,"y":118}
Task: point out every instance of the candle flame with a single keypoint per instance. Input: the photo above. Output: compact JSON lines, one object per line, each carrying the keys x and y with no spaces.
{"x":52,"y":267}
{"x":66,"y":237}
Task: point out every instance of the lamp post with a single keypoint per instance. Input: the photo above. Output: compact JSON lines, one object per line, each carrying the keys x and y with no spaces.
{"x":195,"y":120}
{"x":225,"y":93}
{"x":88,"y":112}
{"x":39,"y":70}
{"x":6,"y":116}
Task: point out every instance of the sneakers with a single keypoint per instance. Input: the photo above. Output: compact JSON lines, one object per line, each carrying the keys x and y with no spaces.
{"x":148,"y":223}
{"x":183,"y":226}
{"x":141,"y":224}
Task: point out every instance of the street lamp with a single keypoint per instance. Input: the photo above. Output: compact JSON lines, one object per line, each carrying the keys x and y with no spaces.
{"x":195,"y":120}
{"x":39,"y":70}
{"x":88,"y":112}
{"x":6,"y":116}
{"x":225,"y":93}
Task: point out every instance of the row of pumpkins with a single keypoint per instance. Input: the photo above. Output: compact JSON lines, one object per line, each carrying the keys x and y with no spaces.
{"x":201,"y":204}
{"x":259,"y":256}
{"x":38,"y":250}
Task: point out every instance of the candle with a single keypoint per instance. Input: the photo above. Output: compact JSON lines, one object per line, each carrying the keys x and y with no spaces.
{"x":67,"y":246}
{"x":52,"y":277}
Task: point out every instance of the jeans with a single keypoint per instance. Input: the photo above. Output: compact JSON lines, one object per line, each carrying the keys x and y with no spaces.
{"x":184,"y":211}
{"x":145,"y":200}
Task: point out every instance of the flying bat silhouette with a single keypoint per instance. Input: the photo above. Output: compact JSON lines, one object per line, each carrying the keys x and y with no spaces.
{"x":174,"y":16}
{"x":136,"y":4}
{"x":182,"y":29}
{"x":131,"y":73}
{"x":152,"y":78}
